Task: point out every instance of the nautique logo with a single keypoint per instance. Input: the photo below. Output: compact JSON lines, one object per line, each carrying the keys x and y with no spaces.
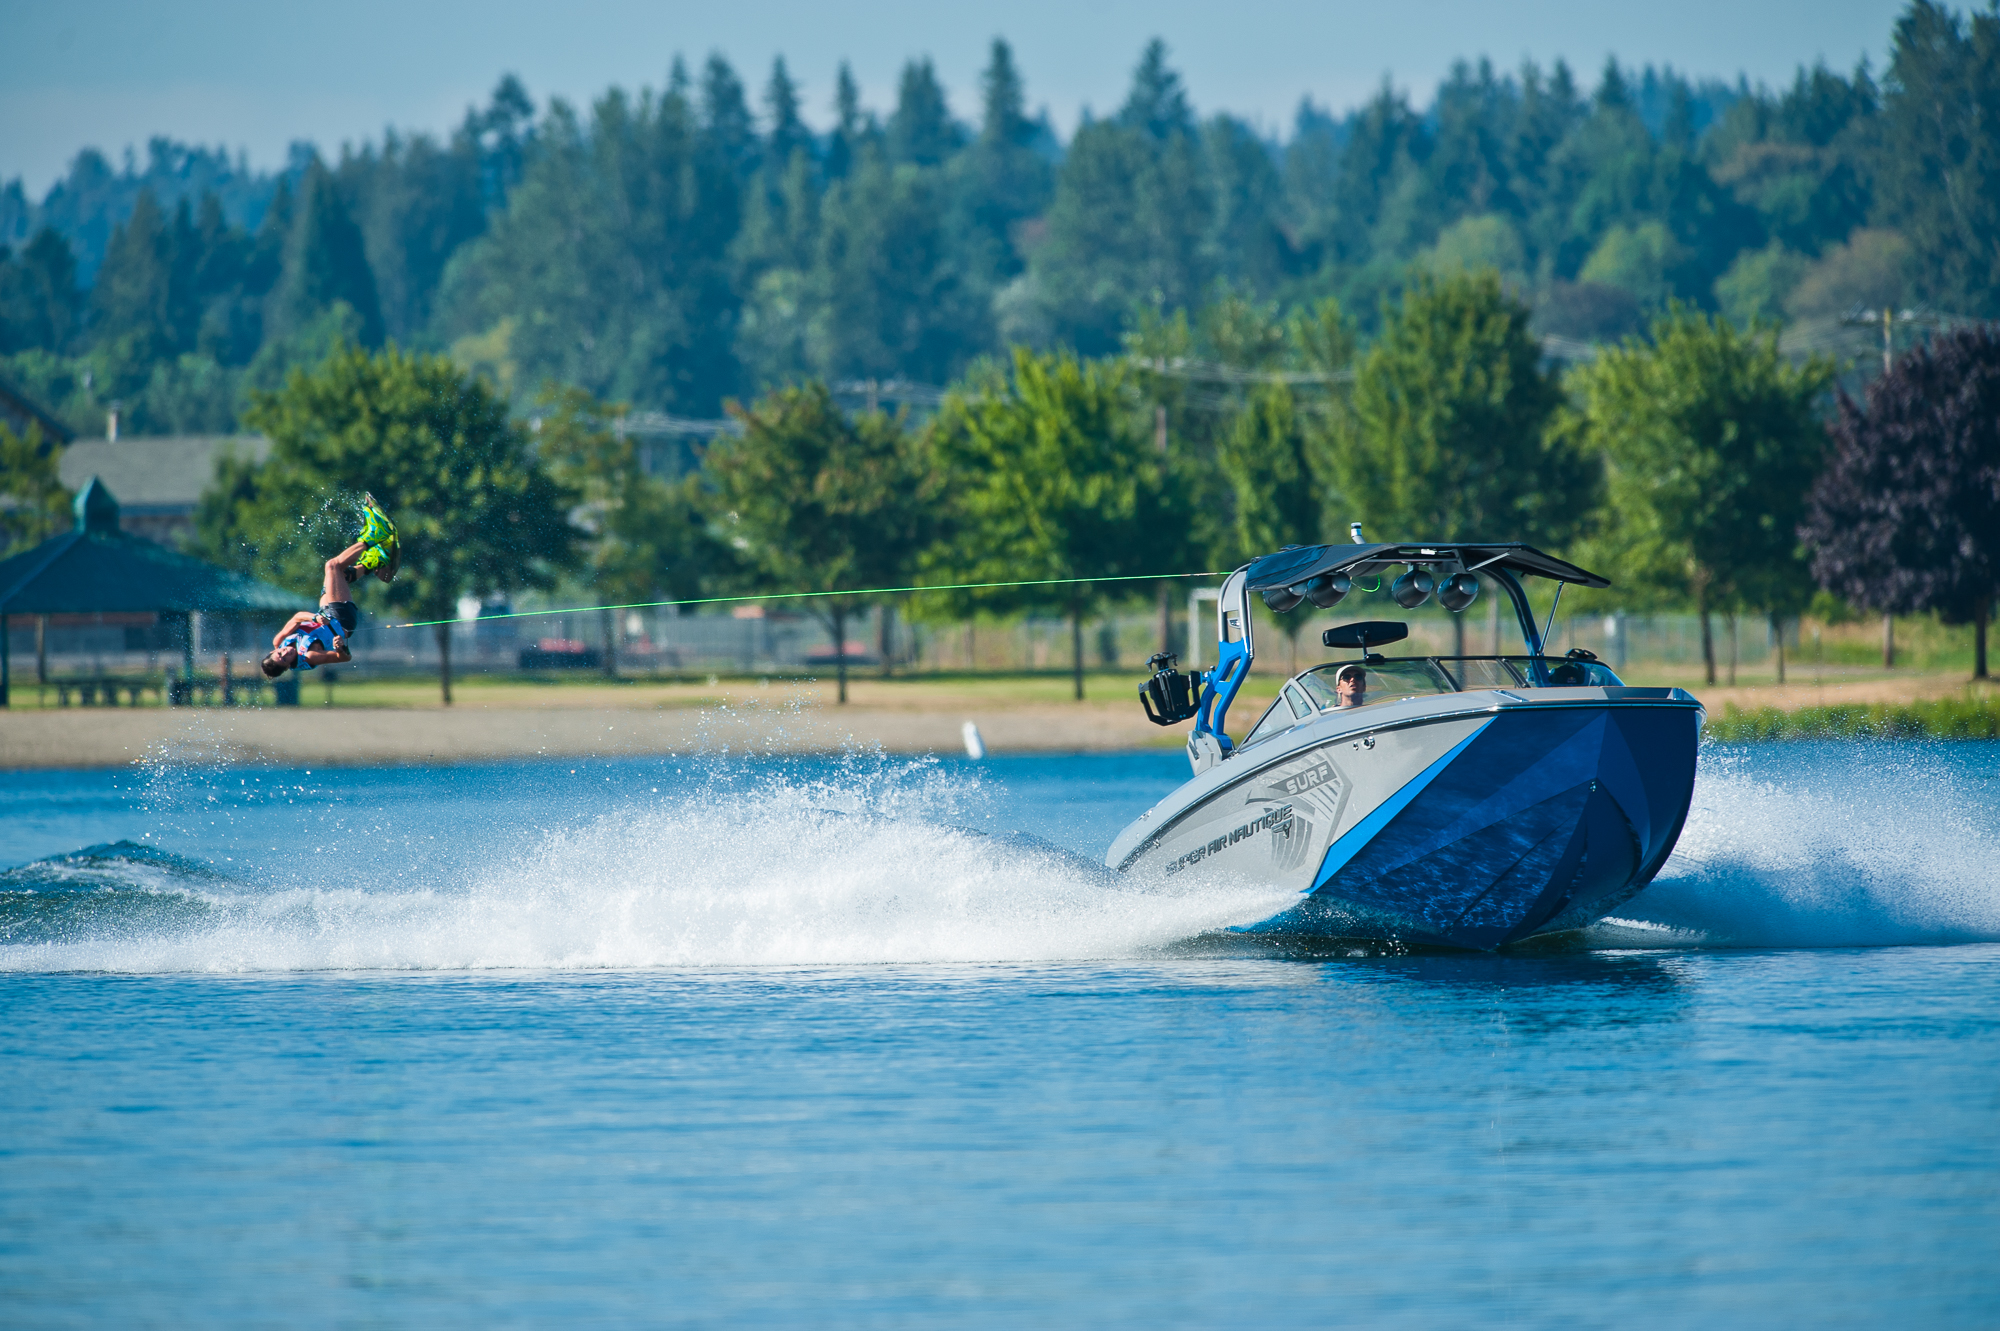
{"x":1278,"y":820}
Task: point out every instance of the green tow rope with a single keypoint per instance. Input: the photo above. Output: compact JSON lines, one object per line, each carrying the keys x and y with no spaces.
{"x":795,"y":596}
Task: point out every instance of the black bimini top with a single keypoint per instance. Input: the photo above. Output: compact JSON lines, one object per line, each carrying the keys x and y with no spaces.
{"x":1294,"y":564}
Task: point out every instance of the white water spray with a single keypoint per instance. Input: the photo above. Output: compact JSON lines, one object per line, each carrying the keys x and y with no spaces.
{"x":1860,"y":845}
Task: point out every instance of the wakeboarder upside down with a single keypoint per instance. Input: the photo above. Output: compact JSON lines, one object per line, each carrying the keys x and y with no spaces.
{"x":315,"y":638}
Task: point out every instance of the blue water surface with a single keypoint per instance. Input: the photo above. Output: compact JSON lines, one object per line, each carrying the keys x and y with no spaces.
{"x":871,"y":1042}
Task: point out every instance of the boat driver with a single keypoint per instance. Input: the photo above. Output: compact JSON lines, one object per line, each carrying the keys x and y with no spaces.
{"x":1350,"y":686}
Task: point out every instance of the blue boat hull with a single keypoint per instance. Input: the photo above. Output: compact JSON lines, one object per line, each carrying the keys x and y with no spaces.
{"x":1546,"y":819}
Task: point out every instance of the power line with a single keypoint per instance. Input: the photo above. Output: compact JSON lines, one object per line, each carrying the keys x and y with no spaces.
{"x":660,"y":423}
{"x":1204,"y":371}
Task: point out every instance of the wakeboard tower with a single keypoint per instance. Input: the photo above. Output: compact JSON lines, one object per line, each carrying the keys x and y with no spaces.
{"x":1464,"y":801}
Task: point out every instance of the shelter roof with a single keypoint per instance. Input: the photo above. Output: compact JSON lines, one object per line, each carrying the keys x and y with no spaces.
{"x":1293,"y":565}
{"x":98,"y":569}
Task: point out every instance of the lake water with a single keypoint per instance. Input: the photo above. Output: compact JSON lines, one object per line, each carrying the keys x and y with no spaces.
{"x":872,"y":1042}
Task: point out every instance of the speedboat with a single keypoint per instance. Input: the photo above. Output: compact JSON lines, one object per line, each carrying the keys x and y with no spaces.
{"x":1458,"y":801}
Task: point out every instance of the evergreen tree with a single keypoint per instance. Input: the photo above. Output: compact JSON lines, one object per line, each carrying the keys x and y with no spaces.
{"x":144,"y":298}
{"x":325,"y":264}
{"x":921,"y":129}
{"x":1244,"y":243}
{"x":729,"y":132}
{"x":612,"y":260}
{"x":40,"y":307}
{"x":1001,"y":179}
{"x":419,"y":202}
{"x":1157,"y":103}
{"x":1940,"y":165}
{"x":891,"y":297}
{"x":852,"y":126}
{"x":500,"y":137}
{"x":788,"y":133}
{"x":1130,"y":215}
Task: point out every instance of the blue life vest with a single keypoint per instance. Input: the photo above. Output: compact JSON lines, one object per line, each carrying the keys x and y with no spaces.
{"x":317,"y":633}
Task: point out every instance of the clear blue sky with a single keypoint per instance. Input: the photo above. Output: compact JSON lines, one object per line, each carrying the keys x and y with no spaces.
{"x":257,"y":74}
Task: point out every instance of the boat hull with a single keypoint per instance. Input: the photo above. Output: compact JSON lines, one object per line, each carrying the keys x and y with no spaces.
{"x":1474,"y":828}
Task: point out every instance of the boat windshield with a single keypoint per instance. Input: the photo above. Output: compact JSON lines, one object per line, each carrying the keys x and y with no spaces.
{"x":1317,"y":690}
{"x":1513,"y":672}
{"x":1382,"y":681}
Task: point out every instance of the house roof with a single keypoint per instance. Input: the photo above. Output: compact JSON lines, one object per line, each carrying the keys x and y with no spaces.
{"x":158,"y":474}
{"x":98,"y":569}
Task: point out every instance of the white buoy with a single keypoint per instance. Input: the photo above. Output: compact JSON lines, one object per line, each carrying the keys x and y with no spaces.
{"x":975,"y":747}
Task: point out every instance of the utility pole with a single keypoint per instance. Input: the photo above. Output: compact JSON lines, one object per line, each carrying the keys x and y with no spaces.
{"x":1888,"y":317}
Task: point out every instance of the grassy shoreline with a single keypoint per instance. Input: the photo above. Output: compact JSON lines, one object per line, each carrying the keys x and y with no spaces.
{"x":1975,"y":716}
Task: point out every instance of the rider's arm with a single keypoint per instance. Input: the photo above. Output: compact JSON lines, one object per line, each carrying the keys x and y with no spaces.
{"x":297,"y":619}
{"x":320,"y":657}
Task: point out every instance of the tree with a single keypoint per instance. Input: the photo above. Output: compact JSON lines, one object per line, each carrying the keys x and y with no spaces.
{"x":1267,"y":458}
{"x":1052,"y":475}
{"x":788,"y":133}
{"x":1906,"y":516}
{"x":1002,"y":179}
{"x":417,"y":203}
{"x":612,"y":256}
{"x":325,"y":263}
{"x":921,"y":129}
{"x":890,"y":295}
{"x":648,"y":538}
{"x":1130,"y":214}
{"x":819,"y":502}
{"x":1711,"y":440}
{"x":144,"y":295}
{"x":38,"y":505}
{"x":39,"y":304}
{"x":853,"y":127}
{"x":1449,"y":434}
{"x":476,"y":511}
{"x":1940,"y":162}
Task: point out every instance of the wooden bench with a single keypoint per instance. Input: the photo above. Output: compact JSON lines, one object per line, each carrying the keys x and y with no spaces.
{"x":91,"y":688}
{"x":243,"y":691}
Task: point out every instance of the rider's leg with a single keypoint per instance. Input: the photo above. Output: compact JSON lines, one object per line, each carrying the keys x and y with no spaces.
{"x":335,"y":587}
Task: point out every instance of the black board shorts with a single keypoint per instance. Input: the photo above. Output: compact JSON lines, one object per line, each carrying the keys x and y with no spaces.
{"x":343,"y":612}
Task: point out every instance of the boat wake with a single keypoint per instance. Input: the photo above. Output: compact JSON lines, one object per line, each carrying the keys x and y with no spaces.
{"x":1900,"y":848}
{"x":877,"y":866}
{"x":787,"y":874}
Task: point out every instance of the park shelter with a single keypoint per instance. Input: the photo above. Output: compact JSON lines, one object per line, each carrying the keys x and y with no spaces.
{"x":98,"y":569}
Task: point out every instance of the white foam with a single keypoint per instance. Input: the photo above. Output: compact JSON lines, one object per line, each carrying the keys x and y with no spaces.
{"x":841,"y":873}
{"x":1858,"y":845}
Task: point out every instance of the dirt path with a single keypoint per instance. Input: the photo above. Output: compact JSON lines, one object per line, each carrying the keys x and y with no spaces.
{"x":106,"y":737}
{"x":555,"y":723}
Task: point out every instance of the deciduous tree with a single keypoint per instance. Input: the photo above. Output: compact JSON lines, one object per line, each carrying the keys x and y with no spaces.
{"x":1906,"y":517}
{"x":1711,"y":440}
{"x":475,"y":509}
{"x":1449,"y":433}
{"x":816,"y":501}
{"x":1053,"y":475}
